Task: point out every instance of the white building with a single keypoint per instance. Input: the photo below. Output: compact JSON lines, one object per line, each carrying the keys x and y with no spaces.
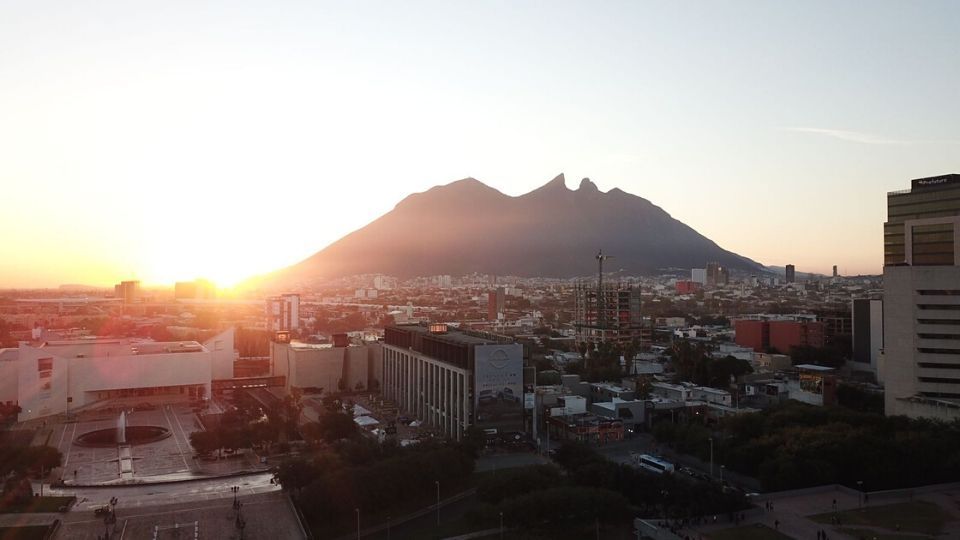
{"x":55,"y":377}
{"x":699,"y":275}
{"x":283,"y":312}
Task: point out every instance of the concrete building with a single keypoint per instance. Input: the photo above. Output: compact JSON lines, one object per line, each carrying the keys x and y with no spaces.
{"x":920,"y":365}
{"x":496,"y":303}
{"x":283,"y":313}
{"x":200,"y":289}
{"x":791,"y":273}
{"x":339,"y":367}
{"x":128,"y":291}
{"x":867,"y":333}
{"x":56,"y":377}
{"x":699,"y":275}
{"x":452,"y":379}
{"x":610,"y":314}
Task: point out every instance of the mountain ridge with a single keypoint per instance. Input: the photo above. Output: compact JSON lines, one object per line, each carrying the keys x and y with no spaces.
{"x":466,"y":226}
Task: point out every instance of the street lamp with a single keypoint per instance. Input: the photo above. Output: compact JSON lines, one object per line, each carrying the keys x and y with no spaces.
{"x":357,"y":510}
{"x":722,"y":467}
{"x":501,"y":525}
{"x":437,"y":482}
{"x":860,"y":488}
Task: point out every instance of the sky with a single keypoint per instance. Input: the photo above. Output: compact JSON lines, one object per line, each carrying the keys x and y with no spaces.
{"x":166,"y":141}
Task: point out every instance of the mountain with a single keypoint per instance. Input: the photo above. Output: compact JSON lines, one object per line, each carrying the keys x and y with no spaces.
{"x":467,"y":226}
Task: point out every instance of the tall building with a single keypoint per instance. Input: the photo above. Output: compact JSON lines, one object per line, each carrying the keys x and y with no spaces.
{"x":129,"y":291}
{"x":200,"y":289}
{"x":920,"y":365}
{"x":283,"y":312}
{"x":835,"y":271}
{"x":867,"y":332}
{"x":698,"y":275}
{"x":453,"y":379}
{"x":791,"y":271}
{"x":716,"y":274}
{"x":781,"y":334}
{"x":496,"y":303}
{"x":612,"y":314}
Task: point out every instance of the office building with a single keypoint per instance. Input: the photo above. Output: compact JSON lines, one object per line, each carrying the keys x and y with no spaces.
{"x":128,"y":291}
{"x":496,"y":303}
{"x":835,"y":271}
{"x":283,"y":312}
{"x":699,"y":275}
{"x":200,"y":289}
{"x":607,"y":314}
{"x":717,"y":275}
{"x":920,"y":365}
{"x":791,"y":272}
{"x":867,"y":333}
{"x":452,"y":379}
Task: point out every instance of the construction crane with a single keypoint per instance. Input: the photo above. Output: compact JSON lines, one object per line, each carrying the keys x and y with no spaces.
{"x":601,"y":308}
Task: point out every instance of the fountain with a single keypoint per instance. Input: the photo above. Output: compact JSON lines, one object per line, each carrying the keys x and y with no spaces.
{"x":122,"y":428}
{"x":122,"y":435}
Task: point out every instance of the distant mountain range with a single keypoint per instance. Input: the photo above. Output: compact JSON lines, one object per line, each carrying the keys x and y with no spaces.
{"x":467,"y":226}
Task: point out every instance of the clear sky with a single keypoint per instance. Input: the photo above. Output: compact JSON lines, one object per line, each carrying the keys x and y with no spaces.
{"x":171,"y":140}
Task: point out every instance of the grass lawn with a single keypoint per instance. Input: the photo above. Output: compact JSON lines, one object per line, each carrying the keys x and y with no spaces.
{"x":917,"y":516}
{"x":866,"y":533}
{"x":35,"y":532}
{"x":749,"y":532}
{"x":37,"y":504}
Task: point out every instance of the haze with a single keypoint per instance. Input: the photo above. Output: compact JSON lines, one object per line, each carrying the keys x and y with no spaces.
{"x":173,"y":140}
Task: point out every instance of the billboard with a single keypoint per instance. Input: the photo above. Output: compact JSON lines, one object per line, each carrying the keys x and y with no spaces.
{"x":498,"y":387}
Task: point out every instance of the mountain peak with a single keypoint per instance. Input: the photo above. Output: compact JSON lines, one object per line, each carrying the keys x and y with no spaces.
{"x":587,"y":186}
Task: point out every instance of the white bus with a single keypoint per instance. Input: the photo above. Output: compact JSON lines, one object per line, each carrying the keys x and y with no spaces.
{"x":654,"y":464}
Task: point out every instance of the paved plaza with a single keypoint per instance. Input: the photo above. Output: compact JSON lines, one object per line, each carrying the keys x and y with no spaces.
{"x":171,"y":458}
{"x":266,"y":516}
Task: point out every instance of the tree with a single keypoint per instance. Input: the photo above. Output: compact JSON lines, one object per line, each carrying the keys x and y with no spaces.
{"x":296,"y":473}
{"x":205,"y":442}
{"x":336,"y":426}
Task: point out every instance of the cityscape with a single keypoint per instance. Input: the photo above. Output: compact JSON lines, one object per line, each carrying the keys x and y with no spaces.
{"x":196,"y":343}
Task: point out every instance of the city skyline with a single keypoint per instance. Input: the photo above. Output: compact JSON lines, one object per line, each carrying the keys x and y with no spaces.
{"x":166,"y":144}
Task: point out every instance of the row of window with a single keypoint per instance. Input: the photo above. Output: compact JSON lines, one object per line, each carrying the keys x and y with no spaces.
{"x":938,"y":365}
{"x":931,"y":350}
{"x":939,"y":380}
{"x":939,"y":321}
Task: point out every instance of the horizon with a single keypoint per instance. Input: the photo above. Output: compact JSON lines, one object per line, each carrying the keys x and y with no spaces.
{"x":169,"y":143}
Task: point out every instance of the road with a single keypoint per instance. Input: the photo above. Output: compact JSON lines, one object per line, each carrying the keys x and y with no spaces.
{"x":644,"y":443}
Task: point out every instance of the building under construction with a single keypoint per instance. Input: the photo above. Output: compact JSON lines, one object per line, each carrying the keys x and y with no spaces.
{"x":607,"y":312}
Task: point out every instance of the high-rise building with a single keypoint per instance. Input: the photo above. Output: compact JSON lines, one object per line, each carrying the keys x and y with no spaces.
{"x":200,"y":289}
{"x":791,"y":271}
{"x":867,"y":332}
{"x":129,"y":291}
{"x":611,"y":314}
{"x":717,"y":275}
{"x":835,"y":271}
{"x":699,"y":275}
{"x":283,"y":312}
{"x":920,"y":364}
{"x":496,"y":303}
{"x":452,"y":379}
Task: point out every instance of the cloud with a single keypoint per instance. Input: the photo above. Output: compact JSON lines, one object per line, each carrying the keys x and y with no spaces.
{"x":866,"y":138}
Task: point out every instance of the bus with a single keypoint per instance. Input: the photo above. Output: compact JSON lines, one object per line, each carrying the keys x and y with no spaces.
{"x":654,"y":464}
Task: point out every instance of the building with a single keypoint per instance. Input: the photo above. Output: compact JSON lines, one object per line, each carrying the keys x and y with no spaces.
{"x":496,"y":303}
{"x":835,"y":271}
{"x":791,"y":273}
{"x":699,"y":275}
{"x":717,"y":275}
{"x":452,"y":379}
{"x":687,"y":286}
{"x":920,"y":365}
{"x":610,"y":314}
{"x":342,"y":366}
{"x":200,"y":289}
{"x":780,"y":335}
{"x":128,"y":291}
{"x":56,"y":377}
{"x":867,"y":333}
{"x":283,"y":312}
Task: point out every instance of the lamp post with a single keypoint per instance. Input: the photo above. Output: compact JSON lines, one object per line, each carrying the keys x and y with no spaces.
{"x":860,"y":488}
{"x":501,"y":525}
{"x":437,"y":482}
{"x":357,"y":510}
{"x":722,"y":467}
{"x":711,"y":457}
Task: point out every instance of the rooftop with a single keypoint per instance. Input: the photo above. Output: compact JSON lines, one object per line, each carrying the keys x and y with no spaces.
{"x":91,"y":348}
